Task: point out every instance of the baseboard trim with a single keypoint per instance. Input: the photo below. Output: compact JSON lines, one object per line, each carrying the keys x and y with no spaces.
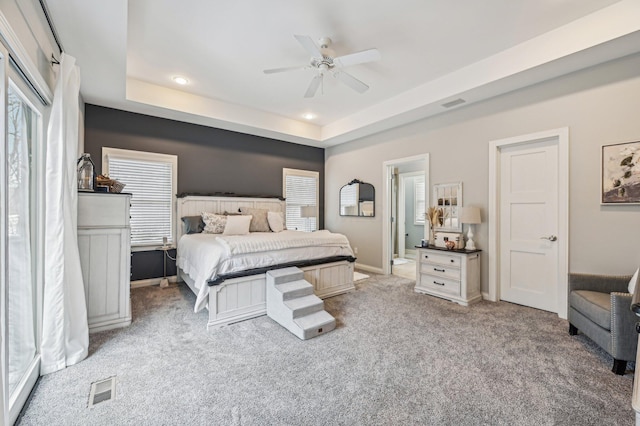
{"x":485,"y":296}
{"x":152,"y":281}
{"x":368,"y":268}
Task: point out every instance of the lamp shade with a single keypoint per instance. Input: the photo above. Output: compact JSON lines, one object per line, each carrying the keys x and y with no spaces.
{"x":308,"y":211}
{"x":470,"y":215}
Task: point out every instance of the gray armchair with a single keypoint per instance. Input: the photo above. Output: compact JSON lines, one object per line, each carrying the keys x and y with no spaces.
{"x":600,"y":307}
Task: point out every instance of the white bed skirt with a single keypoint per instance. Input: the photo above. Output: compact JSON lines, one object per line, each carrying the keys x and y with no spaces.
{"x":238,"y":299}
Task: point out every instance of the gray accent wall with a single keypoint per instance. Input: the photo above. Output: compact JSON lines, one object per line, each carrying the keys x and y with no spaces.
{"x":209,"y":160}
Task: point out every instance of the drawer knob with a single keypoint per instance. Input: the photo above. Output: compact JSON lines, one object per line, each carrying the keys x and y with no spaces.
{"x":426,"y":257}
{"x":451,"y":260}
{"x":438,"y":270}
{"x":437,"y":283}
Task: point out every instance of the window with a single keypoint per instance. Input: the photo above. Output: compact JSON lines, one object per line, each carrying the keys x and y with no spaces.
{"x":24,"y":114}
{"x":152,"y":180}
{"x":300,"y":188}
{"x":24,"y":141}
{"x":420,"y":206}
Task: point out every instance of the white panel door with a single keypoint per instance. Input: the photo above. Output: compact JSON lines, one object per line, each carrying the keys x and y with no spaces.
{"x":529,"y":220}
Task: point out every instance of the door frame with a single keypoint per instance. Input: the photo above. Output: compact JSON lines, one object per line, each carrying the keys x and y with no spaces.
{"x":387,"y":172}
{"x":4,"y":275}
{"x":28,"y":79}
{"x":561,"y":137}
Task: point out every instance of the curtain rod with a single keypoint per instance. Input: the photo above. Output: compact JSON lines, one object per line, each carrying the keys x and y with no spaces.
{"x":53,"y":30}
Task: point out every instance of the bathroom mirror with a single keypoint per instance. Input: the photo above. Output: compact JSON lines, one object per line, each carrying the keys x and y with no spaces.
{"x":357,"y":198}
{"x":447,"y":198}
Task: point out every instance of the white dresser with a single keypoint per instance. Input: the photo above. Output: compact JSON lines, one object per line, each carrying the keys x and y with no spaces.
{"x":450,"y":274}
{"x":104,"y":240}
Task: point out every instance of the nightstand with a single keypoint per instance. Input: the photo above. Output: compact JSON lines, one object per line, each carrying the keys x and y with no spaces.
{"x":450,"y":274}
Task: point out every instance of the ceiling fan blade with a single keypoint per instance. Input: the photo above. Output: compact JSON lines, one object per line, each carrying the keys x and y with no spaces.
{"x":313,"y":86}
{"x":357,"y":58}
{"x":309,"y":45}
{"x":276,"y":70}
{"x":351,"y":81}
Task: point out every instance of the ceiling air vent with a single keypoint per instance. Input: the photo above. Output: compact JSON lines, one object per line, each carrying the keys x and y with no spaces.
{"x":103,"y":390}
{"x":454,"y":103}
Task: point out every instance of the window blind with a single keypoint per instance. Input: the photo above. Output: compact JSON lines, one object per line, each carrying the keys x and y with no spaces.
{"x":301,"y":189}
{"x":151,"y":184}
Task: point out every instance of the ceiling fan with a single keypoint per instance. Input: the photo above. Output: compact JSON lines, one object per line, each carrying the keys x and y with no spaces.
{"x":323,"y":61}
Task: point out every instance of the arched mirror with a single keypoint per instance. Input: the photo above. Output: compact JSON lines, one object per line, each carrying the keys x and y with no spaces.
{"x":447,"y":199}
{"x":357,"y":198}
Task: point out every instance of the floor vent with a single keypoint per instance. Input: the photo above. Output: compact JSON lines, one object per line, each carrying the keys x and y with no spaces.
{"x":103,"y":390}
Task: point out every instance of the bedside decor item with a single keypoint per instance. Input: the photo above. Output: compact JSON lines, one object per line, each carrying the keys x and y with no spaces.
{"x":86,"y":173}
{"x":470,"y":216}
{"x":432,"y":216}
{"x":450,"y":245}
{"x":308,"y":212}
{"x":112,"y":185}
{"x":620,"y":173}
{"x":441,"y":238}
{"x":447,"y":199}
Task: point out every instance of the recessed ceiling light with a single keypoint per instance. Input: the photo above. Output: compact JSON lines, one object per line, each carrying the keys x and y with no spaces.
{"x":308,"y":116}
{"x":180,"y":80}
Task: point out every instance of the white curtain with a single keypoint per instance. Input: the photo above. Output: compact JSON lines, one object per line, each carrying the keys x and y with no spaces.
{"x":65,"y":333}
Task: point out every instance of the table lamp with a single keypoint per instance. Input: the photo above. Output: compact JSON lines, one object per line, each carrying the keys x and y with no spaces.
{"x":470,"y":216}
{"x":308,"y":212}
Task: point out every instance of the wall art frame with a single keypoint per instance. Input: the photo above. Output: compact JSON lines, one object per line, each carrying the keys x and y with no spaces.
{"x":620,"y":174}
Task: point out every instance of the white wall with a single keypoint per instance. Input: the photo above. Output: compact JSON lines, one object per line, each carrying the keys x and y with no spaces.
{"x":28,"y":22}
{"x":599,"y":106}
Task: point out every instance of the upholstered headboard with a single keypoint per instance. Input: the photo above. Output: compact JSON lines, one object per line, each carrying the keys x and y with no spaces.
{"x":194,"y":205}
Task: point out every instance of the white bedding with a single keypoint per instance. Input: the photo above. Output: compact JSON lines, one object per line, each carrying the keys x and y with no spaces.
{"x":205,"y":256}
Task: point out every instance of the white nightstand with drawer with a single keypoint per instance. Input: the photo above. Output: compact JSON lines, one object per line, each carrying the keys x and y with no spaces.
{"x":449,"y":274}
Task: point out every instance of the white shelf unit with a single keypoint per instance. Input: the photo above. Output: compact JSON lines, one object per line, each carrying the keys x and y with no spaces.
{"x":104,"y":241}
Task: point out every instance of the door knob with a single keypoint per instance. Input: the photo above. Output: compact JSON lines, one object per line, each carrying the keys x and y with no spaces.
{"x":550,"y":238}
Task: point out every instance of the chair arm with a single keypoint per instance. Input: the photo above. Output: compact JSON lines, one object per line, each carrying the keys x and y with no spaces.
{"x":623,"y":327}
{"x":600,"y":283}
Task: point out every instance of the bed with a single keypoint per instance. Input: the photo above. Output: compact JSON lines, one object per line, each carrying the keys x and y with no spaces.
{"x":228,"y":273}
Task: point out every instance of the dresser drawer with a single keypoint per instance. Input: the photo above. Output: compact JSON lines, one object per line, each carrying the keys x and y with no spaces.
{"x":97,"y":210}
{"x":440,"y":258}
{"x":439,"y":285}
{"x":441,"y":271}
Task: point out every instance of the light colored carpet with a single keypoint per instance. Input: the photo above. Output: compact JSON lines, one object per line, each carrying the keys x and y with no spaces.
{"x":357,"y":276}
{"x":399,"y":261}
{"x":406,"y":270}
{"x":396,"y":357}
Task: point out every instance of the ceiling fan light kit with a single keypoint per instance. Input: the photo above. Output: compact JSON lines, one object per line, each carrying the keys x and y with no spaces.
{"x":325,"y":63}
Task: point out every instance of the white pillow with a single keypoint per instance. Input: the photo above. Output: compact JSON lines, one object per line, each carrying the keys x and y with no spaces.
{"x":237,"y":225}
{"x":276,"y":221}
{"x":633,"y":282}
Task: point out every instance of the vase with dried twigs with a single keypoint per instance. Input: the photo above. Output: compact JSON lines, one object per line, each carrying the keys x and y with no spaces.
{"x":434,"y":217}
